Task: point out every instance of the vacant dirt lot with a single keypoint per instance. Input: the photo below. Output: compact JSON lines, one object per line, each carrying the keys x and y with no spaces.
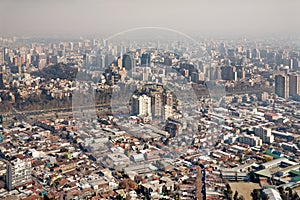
{"x":244,"y":188}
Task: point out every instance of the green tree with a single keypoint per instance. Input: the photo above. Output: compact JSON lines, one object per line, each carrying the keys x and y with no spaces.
{"x":241,"y":197}
{"x":228,"y":192}
{"x":235,"y":196}
{"x":255,"y":194}
{"x":266,"y":197}
{"x":282,"y":193}
{"x":290,"y":193}
{"x":295,"y":196}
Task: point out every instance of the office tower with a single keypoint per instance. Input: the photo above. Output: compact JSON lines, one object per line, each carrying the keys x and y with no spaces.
{"x":249,"y":54}
{"x":212,"y":73}
{"x":128,"y":63}
{"x":264,"y":53}
{"x":28,"y":59}
{"x":141,"y":105}
{"x":229,"y":73}
{"x":218,"y":74}
{"x":95,"y":42}
{"x":168,"y":61}
{"x":279,"y":58}
{"x":6,"y":55}
{"x":272,"y":57}
{"x":145,"y":60}
{"x":19,"y":64}
{"x":146,"y":73}
{"x":282,"y":85}
{"x":195,"y":77}
{"x":109,"y":58}
{"x":223,"y":49}
{"x":294,"y":84}
{"x":295,"y":63}
{"x":61,"y":53}
{"x":119,"y":63}
{"x":41,"y":60}
{"x":71,"y":46}
{"x":62,"y":46}
{"x":2,"y":86}
{"x":255,"y":53}
{"x":18,"y":172}
{"x":241,"y":74}
{"x":231,"y":53}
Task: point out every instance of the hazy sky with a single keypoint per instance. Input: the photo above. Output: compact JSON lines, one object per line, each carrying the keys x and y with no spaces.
{"x":97,"y":17}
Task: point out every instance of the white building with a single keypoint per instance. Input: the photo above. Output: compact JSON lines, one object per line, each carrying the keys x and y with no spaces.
{"x":265,"y":134}
{"x":18,"y":173}
{"x":250,"y":140}
{"x":167,"y":112}
{"x":272,"y":194}
{"x":141,"y":105}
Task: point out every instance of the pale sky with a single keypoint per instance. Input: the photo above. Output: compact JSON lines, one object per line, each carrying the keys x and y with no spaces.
{"x":96,"y":17}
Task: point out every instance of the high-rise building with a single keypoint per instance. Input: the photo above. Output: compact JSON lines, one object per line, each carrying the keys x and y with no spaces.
{"x":168,"y":98}
{"x":71,"y":46}
{"x":1,"y":58}
{"x":295,"y":63}
{"x":1,"y":128}
{"x":128,"y":63}
{"x":173,"y":127}
{"x":264,"y":53}
{"x":145,"y":60}
{"x":272,"y":57}
{"x":146,"y":73}
{"x":41,"y":60}
{"x":294,"y":84}
{"x":109,"y":58}
{"x":249,"y":54}
{"x":223,"y":49}
{"x":200,"y":184}
{"x":241,"y":74}
{"x":250,"y":140}
{"x":167,"y":112}
{"x":141,"y":105}
{"x":195,"y":77}
{"x":282,"y":85}
{"x":255,"y":53}
{"x":156,"y":104}
{"x":265,"y":134}
{"x":229,"y":73}
{"x":2,"y":86}
{"x":119,"y":63}
{"x":18,"y":172}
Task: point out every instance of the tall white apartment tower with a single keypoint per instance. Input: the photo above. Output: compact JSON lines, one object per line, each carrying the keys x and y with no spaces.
{"x":18,"y":172}
{"x":141,"y":105}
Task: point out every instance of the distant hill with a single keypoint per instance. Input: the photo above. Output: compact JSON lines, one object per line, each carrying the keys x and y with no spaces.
{"x":60,"y":70}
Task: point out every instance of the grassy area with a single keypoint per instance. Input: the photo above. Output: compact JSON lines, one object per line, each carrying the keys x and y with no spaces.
{"x":244,"y":188}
